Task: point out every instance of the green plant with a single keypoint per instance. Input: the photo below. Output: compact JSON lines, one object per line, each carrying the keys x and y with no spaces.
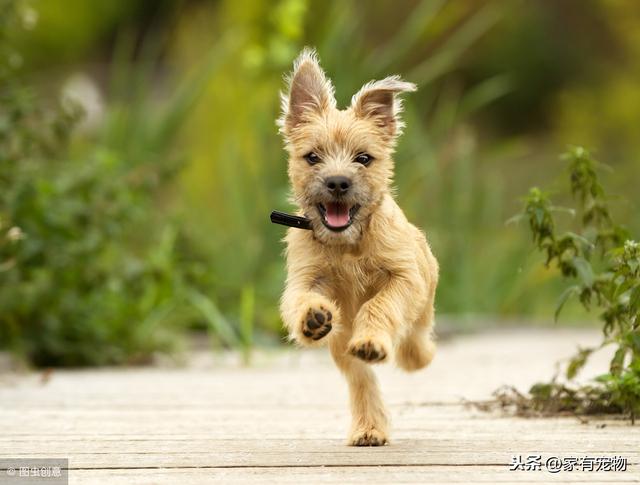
{"x":605,"y":266}
{"x":79,"y":284}
{"x":91,"y":272}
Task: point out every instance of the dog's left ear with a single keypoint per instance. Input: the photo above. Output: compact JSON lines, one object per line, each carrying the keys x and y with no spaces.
{"x":309,"y":92}
{"x":379,"y":102}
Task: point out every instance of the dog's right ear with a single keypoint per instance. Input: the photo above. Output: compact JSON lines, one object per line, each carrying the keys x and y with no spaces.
{"x":309,"y":91}
{"x":379,"y":101}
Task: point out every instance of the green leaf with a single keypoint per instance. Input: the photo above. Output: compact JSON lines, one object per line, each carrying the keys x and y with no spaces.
{"x":618,"y":361}
{"x":634,"y":298}
{"x":247,"y":316}
{"x":541,"y":391}
{"x":604,"y":378}
{"x":633,"y":339}
{"x":539,"y":213}
{"x":578,"y":362}
{"x":217,"y":322}
{"x":584,"y":269}
{"x":566,"y":294}
{"x":515,"y":219}
{"x":407,"y":35}
{"x":566,"y":210}
{"x":582,"y":239}
{"x":484,"y":93}
{"x":455,"y":45}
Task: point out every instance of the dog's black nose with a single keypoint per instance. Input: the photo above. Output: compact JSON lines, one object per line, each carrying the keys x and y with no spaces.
{"x":338,"y":185}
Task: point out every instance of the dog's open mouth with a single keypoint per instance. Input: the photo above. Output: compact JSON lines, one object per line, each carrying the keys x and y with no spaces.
{"x":337,"y":216}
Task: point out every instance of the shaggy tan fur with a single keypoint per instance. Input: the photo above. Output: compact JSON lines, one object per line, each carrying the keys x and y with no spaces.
{"x":368,"y":290}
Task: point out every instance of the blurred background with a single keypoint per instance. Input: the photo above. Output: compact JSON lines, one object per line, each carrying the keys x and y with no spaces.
{"x":139,"y":158}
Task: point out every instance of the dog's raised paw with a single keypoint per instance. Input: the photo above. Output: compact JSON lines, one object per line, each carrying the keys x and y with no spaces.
{"x":370,"y":437}
{"x":317,"y":323}
{"x":369,"y":350}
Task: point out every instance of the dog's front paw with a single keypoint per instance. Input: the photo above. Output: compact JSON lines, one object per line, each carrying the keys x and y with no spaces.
{"x":317,"y":323}
{"x":368,"y":437}
{"x":369,"y":349}
{"x":317,"y":320}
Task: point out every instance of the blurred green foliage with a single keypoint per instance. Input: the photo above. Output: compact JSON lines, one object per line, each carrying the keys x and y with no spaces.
{"x":88,"y":275}
{"x":150,"y":216}
{"x":603,"y":264}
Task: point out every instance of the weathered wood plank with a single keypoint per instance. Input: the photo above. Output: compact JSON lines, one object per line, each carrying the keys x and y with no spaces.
{"x":284,"y":420}
{"x":360,"y":474}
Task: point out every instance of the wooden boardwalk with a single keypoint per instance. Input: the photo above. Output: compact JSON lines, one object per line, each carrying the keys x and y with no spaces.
{"x":284,"y":420}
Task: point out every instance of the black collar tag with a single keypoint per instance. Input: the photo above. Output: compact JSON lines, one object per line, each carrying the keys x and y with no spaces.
{"x":285,"y":219}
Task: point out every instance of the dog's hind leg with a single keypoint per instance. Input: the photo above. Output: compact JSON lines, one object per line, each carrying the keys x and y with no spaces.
{"x":416,"y":349}
{"x":369,"y":417}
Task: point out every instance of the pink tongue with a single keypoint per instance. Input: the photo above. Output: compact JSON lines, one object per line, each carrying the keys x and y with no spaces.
{"x":337,"y":214}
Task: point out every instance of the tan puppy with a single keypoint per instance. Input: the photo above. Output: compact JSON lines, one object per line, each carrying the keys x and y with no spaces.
{"x":364,"y":279}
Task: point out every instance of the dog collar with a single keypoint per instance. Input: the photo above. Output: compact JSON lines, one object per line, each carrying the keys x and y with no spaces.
{"x":289,"y":220}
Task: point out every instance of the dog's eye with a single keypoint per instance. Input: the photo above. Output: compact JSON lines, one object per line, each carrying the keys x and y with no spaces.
{"x":363,"y":158}
{"x":312,"y":158}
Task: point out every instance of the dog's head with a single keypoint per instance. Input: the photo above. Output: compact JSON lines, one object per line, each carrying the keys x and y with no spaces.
{"x":340,"y":163}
